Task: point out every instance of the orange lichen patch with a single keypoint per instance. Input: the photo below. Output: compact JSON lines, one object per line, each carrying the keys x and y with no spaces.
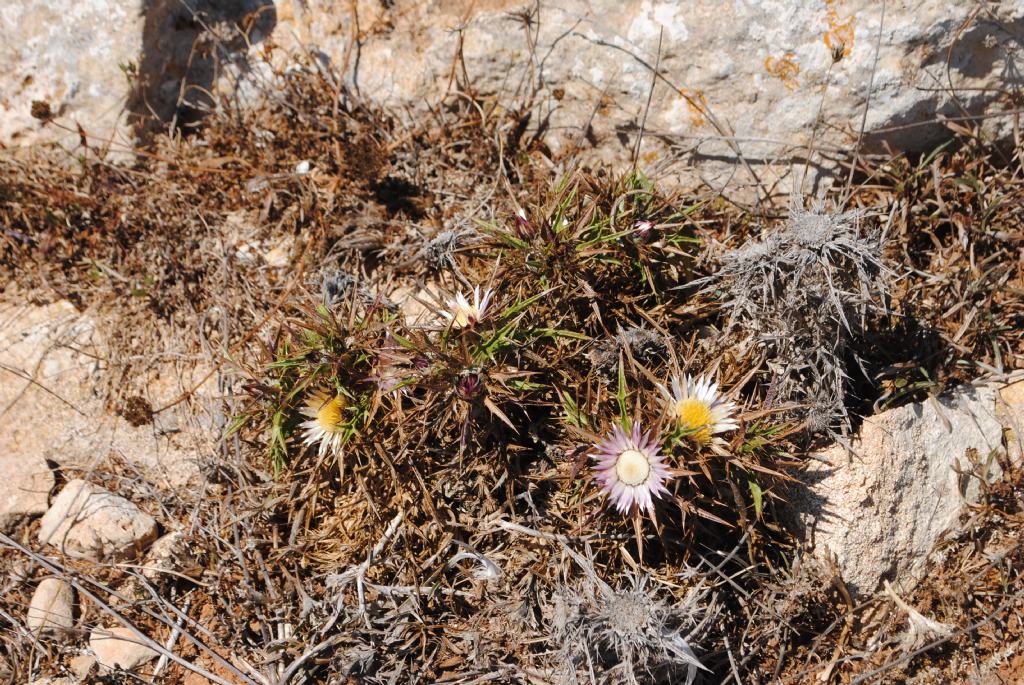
{"x":696,"y":104}
{"x":784,"y":68}
{"x":840,"y":33}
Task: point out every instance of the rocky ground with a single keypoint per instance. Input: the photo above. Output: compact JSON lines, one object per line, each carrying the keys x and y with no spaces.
{"x":294,"y":210}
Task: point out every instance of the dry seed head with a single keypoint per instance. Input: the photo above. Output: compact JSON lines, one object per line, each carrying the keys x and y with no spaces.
{"x":645,"y":345}
{"x":440,"y":252}
{"x":336,"y":286}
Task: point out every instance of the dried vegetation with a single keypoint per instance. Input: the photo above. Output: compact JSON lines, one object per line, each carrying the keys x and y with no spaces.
{"x":458,"y":537}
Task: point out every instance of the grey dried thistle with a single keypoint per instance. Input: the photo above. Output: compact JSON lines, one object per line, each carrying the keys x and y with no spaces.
{"x":633,"y":633}
{"x":645,"y":345}
{"x":802,"y":294}
{"x":336,"y":288}
{"x":440,"y":251}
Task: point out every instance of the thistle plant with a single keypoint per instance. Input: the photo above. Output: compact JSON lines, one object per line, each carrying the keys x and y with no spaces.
{"x":629,"y":634}
{"x":801,"y":295}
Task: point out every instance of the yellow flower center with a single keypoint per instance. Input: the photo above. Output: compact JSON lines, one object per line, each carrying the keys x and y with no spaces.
{"x":329,"y":415}
{"x":692,"y":414}
{"x":632,"y":467}
{"x":462,"y":315}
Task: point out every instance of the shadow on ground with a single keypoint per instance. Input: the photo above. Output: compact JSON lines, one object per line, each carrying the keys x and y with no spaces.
{"x":186,"y":45}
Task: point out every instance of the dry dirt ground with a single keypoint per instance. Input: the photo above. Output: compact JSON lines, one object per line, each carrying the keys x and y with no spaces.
{"x":185,"y":303}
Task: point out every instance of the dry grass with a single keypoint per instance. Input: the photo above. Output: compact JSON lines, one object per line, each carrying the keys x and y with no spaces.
{"x":459,"y":535}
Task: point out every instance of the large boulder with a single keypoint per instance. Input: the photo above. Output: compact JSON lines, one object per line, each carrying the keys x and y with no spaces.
{"x":880,"y":506}
{"x":738,"y":80}
{"x":104,"y":65}
{"x":67,"y":59}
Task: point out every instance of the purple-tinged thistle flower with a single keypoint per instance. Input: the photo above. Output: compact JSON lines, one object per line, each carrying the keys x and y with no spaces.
{"x":523,"y":228}
{"x":629,"y":468}
{"x":469,"y":386}
{"x":389,"y":371}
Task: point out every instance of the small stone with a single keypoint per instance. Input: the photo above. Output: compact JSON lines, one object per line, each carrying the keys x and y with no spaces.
{"x":51,"y":608}
{"x":119,"y":648}
{"x":1010,"y":410}
{"x":81,"y":665}
{"x":419,"y":307}
{"x":89,"y":522}
{"x":170,"y":553}
{"x":279,"y":256}
{"x":129,"y":592}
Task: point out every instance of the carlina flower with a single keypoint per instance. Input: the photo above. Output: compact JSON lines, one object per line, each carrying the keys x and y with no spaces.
{"x":696,"y":405}
{"x":523,"y":228}
{"x":469,"y":386}
{"x":629,"y":468}
{"x":642,"y":228}
{"x":326,"y":423}
{"x":462,"y":313}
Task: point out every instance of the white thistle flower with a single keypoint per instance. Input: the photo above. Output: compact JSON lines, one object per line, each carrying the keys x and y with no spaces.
{"x":326,"y":424}
{"x":697,"y":406}
{"x":462,"y":313}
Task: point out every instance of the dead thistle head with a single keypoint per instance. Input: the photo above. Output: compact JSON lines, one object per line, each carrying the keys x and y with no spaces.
{"x":645,"y":345}
{"x":631,"y":630}
{"x":801,"y":295}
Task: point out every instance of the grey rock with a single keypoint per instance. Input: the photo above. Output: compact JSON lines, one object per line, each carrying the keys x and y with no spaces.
{"x":69,"y":56}
{"x":740,"y":79}
{"x":88,"y":522}
{"x":106,"y":65}
{"x":53,"y":406}
{"x":881,"y":507}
